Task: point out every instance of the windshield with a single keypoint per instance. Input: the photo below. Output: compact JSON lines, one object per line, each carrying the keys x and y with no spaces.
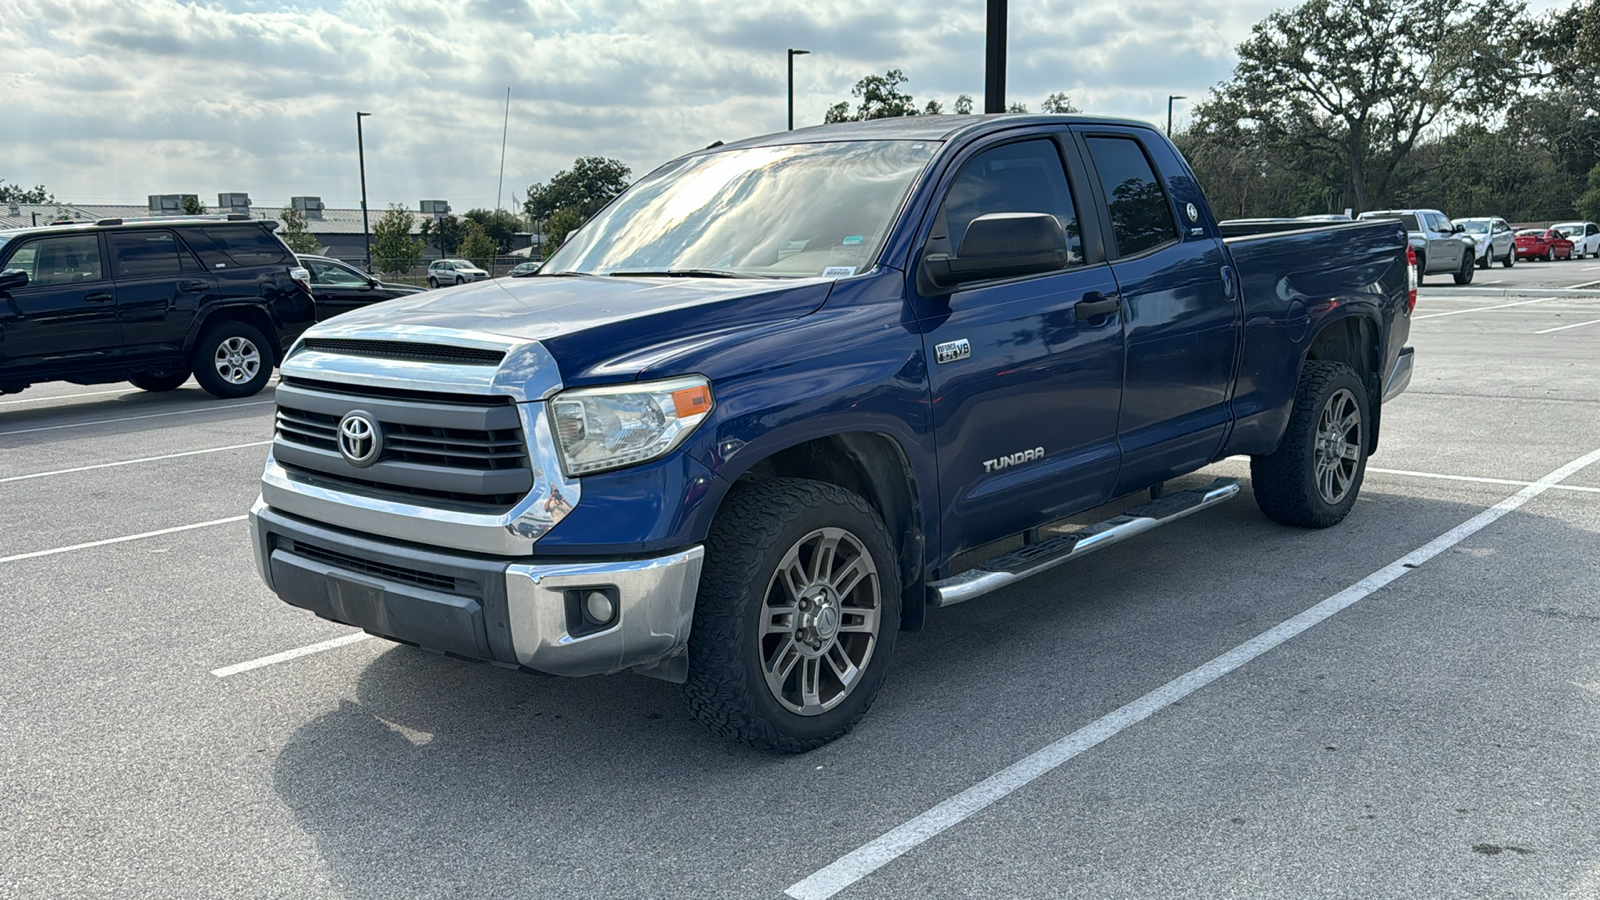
{"x":790,"y":211}
{"x":1474,"y":226}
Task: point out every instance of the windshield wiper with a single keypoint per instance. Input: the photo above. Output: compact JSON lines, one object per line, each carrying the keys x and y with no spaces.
{"x":676,"y":273}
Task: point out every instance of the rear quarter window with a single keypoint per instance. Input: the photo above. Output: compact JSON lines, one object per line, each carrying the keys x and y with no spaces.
{"x":249,"y":246}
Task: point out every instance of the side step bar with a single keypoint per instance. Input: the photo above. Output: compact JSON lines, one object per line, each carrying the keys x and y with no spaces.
{"x":993,"y":574}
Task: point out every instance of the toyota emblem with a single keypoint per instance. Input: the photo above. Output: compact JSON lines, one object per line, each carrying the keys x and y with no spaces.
{"x":360,"y":440}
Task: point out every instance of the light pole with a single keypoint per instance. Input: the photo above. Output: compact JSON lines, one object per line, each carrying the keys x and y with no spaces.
{"x":1170,"y":98}
{"x":994,"y":58}
{"x":792,"y":54}
{"x":361,"y":153}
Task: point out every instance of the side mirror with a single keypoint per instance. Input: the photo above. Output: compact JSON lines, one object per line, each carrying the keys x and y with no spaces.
{"x":1001,"y":245}
{"x":1458,"y":229}
{"x":12,"y":278}
{"x":371,"y":283}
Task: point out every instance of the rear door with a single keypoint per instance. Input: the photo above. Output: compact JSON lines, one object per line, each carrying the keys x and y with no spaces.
{"x":66,"y":315}
{"x":1025,"y":392}
{"x":1181,"y":311}
{"x":160,"y":286}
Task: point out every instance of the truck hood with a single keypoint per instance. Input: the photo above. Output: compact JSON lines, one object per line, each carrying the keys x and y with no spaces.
{"x":585,"y":321}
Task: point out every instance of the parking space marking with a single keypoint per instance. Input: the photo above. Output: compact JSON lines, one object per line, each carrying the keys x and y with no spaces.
{"x":1585,"y":285}
{"x":868,"y":858}
{"x":1565,"y":327}
{"x":176,"y":412}
{"x":130,"y":462}
{"x":119,"y":540}
{"x":66,"y":396}
{"x":1458,"y":312}
{"x":287,"y":655}
{"x":1478,"y":480}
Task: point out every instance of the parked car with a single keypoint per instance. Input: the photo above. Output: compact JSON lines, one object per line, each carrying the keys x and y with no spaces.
{"x":1543,"y":243}
{"x":1493,"y":238}
{"x":523,"y":270}
{"x":150,"y":300}
{"x":1585,"y":237}
{"x":339,"y":287}
{"x":823,"y":367}
{"x":453,"y":271}
{"x":1440,"y":245}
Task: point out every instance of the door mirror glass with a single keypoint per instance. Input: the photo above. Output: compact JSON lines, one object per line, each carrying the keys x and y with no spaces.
{"x":1002,"y":245}
{"x":12,"y":278}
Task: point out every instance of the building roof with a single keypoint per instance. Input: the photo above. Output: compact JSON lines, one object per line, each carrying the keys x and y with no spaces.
{"x":333,"y":221}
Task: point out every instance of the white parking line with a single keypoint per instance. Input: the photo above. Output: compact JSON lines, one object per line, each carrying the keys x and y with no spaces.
{"x":1585,"y":285}
{"x":1478,"y":480}
{"x":875,"y":854}
{"x":1565,"y":327}
{"x":1458,"y":312}
{"x":66,"y":396}
{"x":287,"y":655}
{"x":130,"y":462}
{"x":176,"y":412}
{"x":119,"y":540}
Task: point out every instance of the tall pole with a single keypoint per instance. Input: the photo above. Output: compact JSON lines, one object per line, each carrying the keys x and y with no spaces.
{"x":1170,"y":98}
{"x":505,"y":128}
{"x":792,"y":54}
{"x":994,"y":80}
{"x":366,"y":225}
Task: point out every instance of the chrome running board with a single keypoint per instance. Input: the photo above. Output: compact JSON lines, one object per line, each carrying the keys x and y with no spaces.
{"x":997,"y":572}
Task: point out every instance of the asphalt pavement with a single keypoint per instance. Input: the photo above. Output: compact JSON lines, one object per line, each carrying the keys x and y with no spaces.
{"x":1402,"y":706}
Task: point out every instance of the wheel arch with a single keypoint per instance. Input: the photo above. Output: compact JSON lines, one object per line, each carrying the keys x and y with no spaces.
{"x":252,"y":313}
{"x":873,"y":465}
{"x":1352,"y":339}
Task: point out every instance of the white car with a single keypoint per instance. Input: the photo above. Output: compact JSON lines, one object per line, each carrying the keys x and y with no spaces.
{"x":1585,"y":237}
{"x":1493,"y":238}
{"x":453,"y":271}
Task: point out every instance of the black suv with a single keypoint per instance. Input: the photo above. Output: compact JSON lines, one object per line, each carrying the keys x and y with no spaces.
{"x":150,"y":300}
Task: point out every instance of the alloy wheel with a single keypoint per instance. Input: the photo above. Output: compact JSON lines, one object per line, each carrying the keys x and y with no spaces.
{"x":819,"y":621}
{"x":238,"y":360}
{"x":1338,"y":446}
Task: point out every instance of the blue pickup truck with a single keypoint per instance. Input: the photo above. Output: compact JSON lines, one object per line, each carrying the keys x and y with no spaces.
{"x":738,"y":430}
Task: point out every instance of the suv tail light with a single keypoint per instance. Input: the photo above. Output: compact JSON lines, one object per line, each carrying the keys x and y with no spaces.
{"x":1411,"y":279}
{"x":302,"y":277}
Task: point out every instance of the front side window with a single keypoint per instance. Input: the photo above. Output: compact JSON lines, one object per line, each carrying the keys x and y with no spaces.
{"x":333,"y":274}
{"x":786,"y":211}
{"x":145,"y":253}
{"x":69,"y":259}
{"x":1141,"y":217}
{"x":1025,"y":177}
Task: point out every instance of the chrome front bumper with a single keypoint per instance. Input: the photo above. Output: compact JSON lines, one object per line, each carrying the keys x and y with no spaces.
{"x":519,"y":614}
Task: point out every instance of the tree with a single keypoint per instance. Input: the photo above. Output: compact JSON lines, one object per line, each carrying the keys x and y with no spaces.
{"x":15,"y":193}
{"x":192,"y":206}
{"x":394,"y":249}
{"x":1058,"y":103}
{"x":881,"y":98}
{"x":499,"y":225}
{"x":294,"y":231}
{"x":1370,"y":78}
{"x":562,"y":223}
{"x":1588,"y":204}
{"x":588,"y":186}
{"x":963,"y":106}
{"x":446,"y":233}
{"x":478,"y":247}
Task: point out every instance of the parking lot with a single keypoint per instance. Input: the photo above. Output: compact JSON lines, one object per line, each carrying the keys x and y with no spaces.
{"x":1401,"y":706}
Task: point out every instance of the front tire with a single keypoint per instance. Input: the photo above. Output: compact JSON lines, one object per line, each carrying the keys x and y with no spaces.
{"x":1550,"y":254}
{"x":795,"y":622}
{"x":1314,"y":476}
{"x":232,"y":359}
{"x":1511,"y":258}
{"x":158,"y":383}
{"x":1463,"y":275}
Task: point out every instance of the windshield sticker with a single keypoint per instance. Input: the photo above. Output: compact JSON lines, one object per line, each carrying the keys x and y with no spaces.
{"x":852,"y":240}
{"x":838,"y":271}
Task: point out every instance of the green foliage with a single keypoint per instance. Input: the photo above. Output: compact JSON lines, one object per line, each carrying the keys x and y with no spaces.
{"x":1058,"y":103}
{"x":294,"y":231}
{"x":478,"y":247}
{"x":445,"y":232}
{"x":963,"y":105}
{"x":560,"y":224}
{"x":15,"y":193}
{"x":394,"y":250}
{"x":499,"y":225}
{"x":586,"y":187}
{"x":1588,"y":205}
{"x":192,"y":206}
{"x":882,"y":97}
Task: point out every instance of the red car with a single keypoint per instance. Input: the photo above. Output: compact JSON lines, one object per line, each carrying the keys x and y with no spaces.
{"x":1543,"y":243}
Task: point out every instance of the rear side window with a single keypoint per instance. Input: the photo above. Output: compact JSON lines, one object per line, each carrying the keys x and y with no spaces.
{"x":1141,"y":217}
{"x":62,"y":260}
{"x":143,"y":253}
{"x":248,"y":246}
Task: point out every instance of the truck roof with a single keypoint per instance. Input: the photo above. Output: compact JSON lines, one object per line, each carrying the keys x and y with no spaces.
{"x":911,"y":128}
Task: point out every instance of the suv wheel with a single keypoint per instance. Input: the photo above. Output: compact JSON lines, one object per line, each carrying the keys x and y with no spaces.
{"x":1511,"y":257}
{"x":433,"y":282}
{"x":796,"y":617}
{"x":1312,"y":479}
{"x":232,"y":359}
{"x":158,"y":383}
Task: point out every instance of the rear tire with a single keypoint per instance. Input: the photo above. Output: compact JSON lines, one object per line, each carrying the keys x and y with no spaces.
{"x":795,"y":622}
{"x":232,"y":359}
{"x":1468,"y":266}
{"x":1314,"y":476}
{"x":149,"y":381}
{"x":433,"y":283}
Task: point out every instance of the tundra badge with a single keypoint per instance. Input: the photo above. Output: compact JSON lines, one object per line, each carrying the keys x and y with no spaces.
{"x":950,"y":351}
{"x":995,"y":465}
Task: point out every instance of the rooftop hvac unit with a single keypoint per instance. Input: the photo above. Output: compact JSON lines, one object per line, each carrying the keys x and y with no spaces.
{"x":311,"y":206}
{"x":435,"y":208}
{"x":234,"y":202}
{"x":169,"y":204}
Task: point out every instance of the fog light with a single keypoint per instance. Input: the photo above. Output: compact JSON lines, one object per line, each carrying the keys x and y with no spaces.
{"x":598,"y":608}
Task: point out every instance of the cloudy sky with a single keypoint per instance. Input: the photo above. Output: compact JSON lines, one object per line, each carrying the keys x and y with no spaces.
{"x":106,"y":101}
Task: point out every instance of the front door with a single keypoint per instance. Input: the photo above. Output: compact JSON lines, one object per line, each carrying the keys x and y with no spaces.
{"x":1025,"y":392}
{"x":66,"y":314}
{"x":338,"y":288}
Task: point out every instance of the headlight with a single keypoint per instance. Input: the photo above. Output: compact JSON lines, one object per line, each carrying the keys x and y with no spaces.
{"x":605,"y":428}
